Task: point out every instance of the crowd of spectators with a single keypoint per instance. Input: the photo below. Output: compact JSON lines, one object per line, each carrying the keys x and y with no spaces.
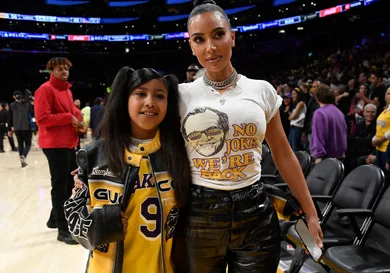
{"x":338,"y":106}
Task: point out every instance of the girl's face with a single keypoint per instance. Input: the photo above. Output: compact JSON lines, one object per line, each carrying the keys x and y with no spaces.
{"x":211,"y":40}
{"x":147,"y":106}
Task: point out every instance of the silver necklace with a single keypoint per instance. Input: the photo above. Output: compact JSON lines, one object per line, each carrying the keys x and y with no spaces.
{"x":230,"y":81}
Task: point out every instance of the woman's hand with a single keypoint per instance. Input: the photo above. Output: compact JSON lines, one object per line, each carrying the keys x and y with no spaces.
{"x":78,"y":184}
{"x":125,"y":222}
{"x":315,"y":229}
{"x":378,"y":141}
{"x":289,"y":167}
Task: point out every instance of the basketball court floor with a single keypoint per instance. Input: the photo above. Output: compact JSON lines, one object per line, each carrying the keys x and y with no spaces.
{"x":27,"y":245}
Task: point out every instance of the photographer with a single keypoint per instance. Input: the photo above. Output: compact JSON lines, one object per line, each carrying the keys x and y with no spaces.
{"x":19,"y":122}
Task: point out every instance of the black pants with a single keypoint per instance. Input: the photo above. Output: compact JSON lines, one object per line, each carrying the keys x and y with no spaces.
{"x":11,"y":142}
{"x":24,"y":141}
{"x":238,"y":229}
{"x":3,"y":131}
{"x":61,"y":163}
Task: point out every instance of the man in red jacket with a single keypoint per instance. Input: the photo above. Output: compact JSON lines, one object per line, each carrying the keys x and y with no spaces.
{"x":57,"y":120}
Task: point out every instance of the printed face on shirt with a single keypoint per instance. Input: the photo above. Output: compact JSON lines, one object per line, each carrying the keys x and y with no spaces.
{"x":61,"y":72}
{"x":206,"y":129}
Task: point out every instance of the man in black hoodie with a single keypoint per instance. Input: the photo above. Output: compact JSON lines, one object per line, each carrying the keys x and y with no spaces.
{"x":19,"y":122}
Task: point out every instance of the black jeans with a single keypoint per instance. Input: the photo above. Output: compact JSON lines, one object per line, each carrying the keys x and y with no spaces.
{"x":24,"y":141}
{"x":3,"y":131}
{"x":238,"y":229}
{"x":61,"y":163}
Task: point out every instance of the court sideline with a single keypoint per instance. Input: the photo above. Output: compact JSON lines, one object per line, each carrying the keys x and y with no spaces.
{"x":27,"y":245}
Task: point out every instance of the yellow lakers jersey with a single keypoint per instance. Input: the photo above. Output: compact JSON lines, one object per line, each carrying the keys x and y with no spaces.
{"x":382,"y":126}
{"x":148,"y":243}
{"x":144,"y":243}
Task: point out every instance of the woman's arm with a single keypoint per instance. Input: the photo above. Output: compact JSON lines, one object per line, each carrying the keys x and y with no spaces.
{"x":289,"y":167}
{"x":296,"y":111}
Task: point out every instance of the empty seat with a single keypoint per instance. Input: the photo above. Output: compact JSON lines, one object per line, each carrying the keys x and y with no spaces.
{"x":359,"y":190}
{"x":323,"y":179}
{"x":360,"y":258}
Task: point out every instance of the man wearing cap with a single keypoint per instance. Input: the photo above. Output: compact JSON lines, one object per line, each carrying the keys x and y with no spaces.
{"x":19,"y":123}
{"x":191,"y":72}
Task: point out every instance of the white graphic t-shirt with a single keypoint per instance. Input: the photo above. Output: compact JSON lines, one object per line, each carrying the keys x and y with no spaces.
{"x":224,"y":132}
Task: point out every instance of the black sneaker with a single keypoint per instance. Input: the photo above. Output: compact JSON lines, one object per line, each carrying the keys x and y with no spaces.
{"x":51,"y":223}
{"x":14,"y":150}
{"x":64,"y":236}
{"x":2,"y":151}
{"x":23,"y":161}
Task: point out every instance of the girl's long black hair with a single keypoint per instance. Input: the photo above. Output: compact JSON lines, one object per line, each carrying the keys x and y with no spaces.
{"x":116,"y":127}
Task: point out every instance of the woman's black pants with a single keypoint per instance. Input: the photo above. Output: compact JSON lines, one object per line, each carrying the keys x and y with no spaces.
{"x":238,"y":229}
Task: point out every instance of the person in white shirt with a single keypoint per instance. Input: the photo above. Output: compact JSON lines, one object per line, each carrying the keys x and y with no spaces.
{"x":225,"y":117}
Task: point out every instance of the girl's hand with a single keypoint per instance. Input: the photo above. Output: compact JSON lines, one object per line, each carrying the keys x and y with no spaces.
{"x":125,"y":222}
{"x":315,"y":229}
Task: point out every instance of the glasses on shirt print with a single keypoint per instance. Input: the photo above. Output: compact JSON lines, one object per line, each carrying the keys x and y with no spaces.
{"x":206,"y":130}
{"x":210,"y":132}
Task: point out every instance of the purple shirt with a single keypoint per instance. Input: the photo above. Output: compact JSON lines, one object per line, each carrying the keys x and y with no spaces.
{"x":329,"y":133}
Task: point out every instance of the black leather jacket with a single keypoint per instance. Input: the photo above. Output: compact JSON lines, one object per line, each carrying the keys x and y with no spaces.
{"x":101,"y":226}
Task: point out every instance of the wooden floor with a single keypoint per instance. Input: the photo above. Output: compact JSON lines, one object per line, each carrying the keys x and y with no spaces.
{"x":27,"y":245}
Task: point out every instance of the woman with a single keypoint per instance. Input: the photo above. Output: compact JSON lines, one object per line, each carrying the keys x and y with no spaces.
{"x":381,"y":139}
{"x":225,"y":118}
{"x":297,"y":120}
{"x":135,"y":179}
{"x":285,"y":111}
{"x":355,"y":114}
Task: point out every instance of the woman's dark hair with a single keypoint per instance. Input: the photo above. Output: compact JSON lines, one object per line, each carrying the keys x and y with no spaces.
{"x":324,"y":95}
{"x":116,"y":127}
{"x":203,"y":6}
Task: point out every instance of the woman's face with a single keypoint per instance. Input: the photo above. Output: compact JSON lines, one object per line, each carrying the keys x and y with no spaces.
{"x":363,"y":90}
{"x":147,"y":106}
{"x":336,"y":91}
{"x":387,"y":96}
{"x":286,"y":101}
{"x":294,"y":95}
{"x":211,"y":40}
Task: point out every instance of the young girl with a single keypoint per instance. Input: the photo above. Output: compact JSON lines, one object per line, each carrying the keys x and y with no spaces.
{"x":135,"y":179}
